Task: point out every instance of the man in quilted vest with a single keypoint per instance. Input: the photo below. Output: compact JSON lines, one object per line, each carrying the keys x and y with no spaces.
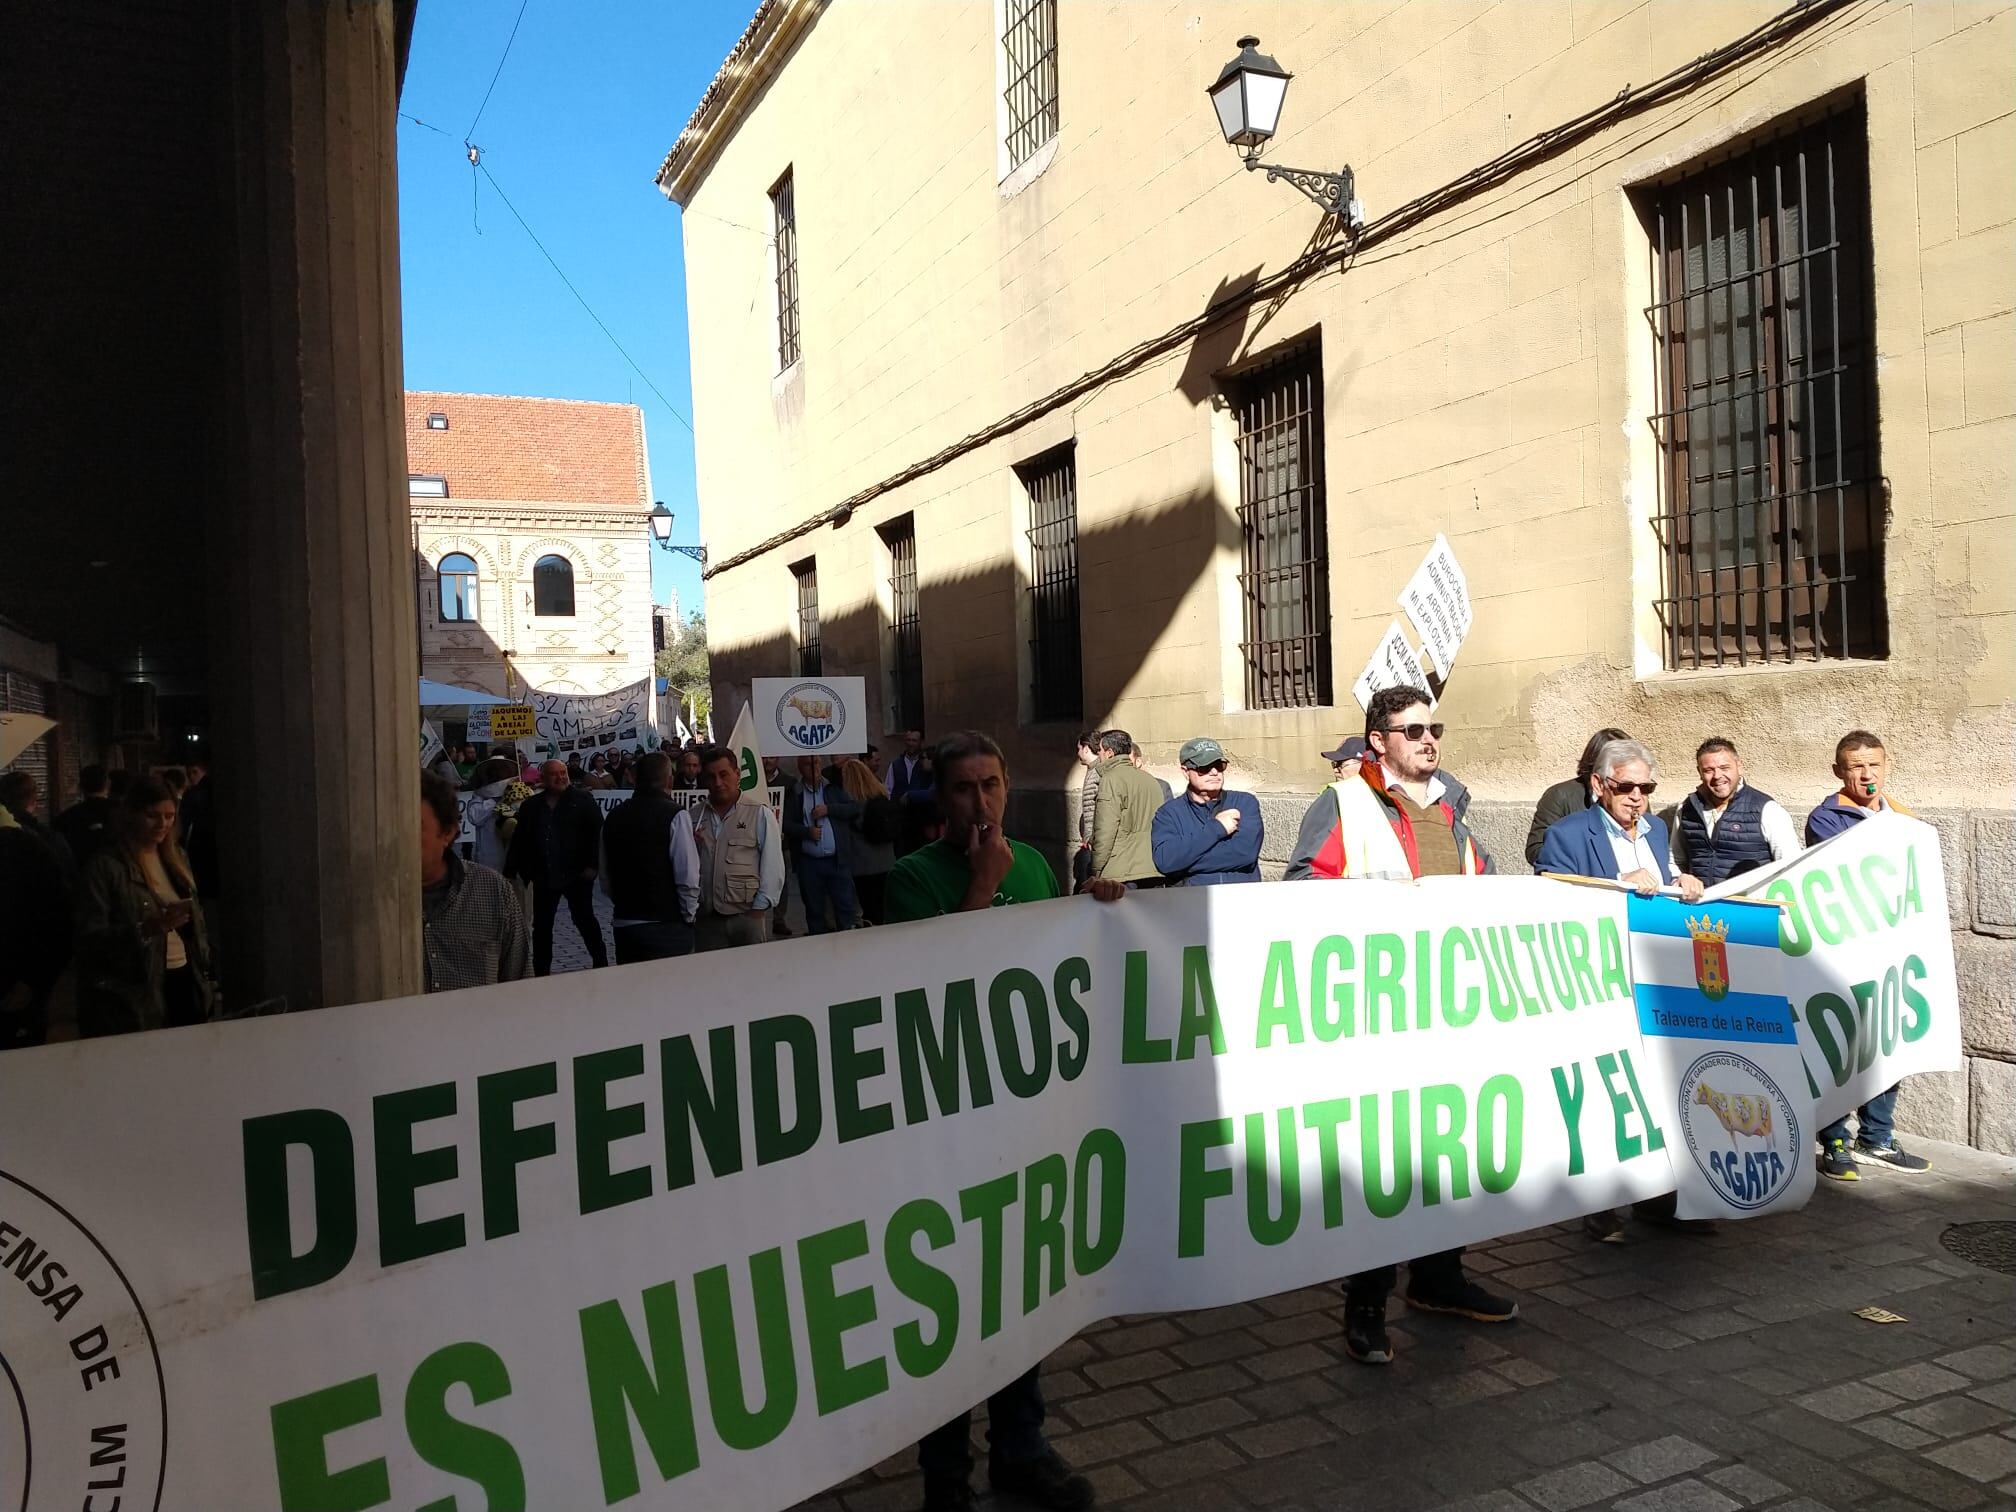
{"x":1725,"y":826}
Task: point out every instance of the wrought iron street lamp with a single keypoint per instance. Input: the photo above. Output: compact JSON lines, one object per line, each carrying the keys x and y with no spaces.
{"x":661,"y":531}
{"x":1248,"y":98}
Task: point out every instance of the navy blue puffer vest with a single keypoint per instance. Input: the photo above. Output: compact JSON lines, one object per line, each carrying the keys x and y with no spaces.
{"x":1738,"y":837}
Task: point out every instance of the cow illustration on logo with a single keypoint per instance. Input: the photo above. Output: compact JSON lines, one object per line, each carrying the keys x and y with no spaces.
{"x":811,"y":717}
{"x":1740,"y":1128}
{"x":1711,"y":956}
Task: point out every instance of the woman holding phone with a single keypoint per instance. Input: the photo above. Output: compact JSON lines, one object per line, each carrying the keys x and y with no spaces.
{"x":143,"y":960}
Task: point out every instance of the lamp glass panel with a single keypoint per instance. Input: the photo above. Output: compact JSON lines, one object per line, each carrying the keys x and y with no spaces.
{"x":1230,"y":101}
{"x":661,"y":525}
{"x":1264,"y":94}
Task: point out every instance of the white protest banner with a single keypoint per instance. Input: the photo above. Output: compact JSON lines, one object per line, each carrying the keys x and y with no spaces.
{"x":810,"y":716}
{"x":729,"y":1228}
{"x":1869,"y":958}
{"x":1722,"y":1055}
{"x":590,"y":722}
{"x":1394,"y":665}
{"x":477,"y":730}
{"x":1437,"y":600}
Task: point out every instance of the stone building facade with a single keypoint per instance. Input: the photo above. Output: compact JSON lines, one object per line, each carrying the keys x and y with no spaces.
{"x":532,"y":552}
{"x":1693,"y":328}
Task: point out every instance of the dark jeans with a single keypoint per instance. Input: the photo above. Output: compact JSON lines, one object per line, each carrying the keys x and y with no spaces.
{"x":869,"y":891}
{"x":1014,"y":1432}
{"x":823,"y":880}
{"x":580,"y":896}
{"x":1431,"y":1275}
{"x":1875,"y":1119}
{"x":653,"y":942}
{"x":178,"y":996}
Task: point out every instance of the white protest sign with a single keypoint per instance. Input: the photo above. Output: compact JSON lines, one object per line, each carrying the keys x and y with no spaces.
{"x":1437,"y":600}
{"x":810,"y":716}
{"x":1868,"y":957}
{"x":730,"y":1255}
{"x":477,"y":730}
{"x":588,"y":722}
{"x":1394,"y":665}
{"x":1722,"y":1055}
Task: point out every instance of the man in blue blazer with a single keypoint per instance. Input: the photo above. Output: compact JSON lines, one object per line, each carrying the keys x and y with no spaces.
{"x":1615,"y":838}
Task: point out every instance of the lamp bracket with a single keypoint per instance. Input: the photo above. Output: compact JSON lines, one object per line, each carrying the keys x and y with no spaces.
{"x":1336,"y":193}
{"x":698,"y":553}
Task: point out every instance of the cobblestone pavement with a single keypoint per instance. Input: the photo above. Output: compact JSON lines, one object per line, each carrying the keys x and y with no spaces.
{"x":1668,"y":1374}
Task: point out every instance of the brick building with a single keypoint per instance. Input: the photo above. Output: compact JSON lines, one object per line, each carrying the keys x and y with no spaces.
{"x":532,"y":553}
{"x":1689,"y":326}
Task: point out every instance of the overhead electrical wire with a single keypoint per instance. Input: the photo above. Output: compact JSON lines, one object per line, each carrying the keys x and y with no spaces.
{"x":471,"y":132}
{"x":1508,"y":164}
{"x":484,"y":169}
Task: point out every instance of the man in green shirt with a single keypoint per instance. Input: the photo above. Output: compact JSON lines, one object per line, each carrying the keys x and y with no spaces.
{"x":976,"y":866}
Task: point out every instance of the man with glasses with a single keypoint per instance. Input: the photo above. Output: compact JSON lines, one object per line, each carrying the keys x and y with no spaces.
{"x":1207,"y":835}
{"x":1617,"y":839}
{"x":1394,"y":817}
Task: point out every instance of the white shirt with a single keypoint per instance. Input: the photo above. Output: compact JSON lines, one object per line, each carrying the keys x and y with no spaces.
{"x":1779,"y":832}
{"x":685,"y":869}
{"x":1633,"y":852}
{"x":770,"y":850}
{"x":1436,"y":786}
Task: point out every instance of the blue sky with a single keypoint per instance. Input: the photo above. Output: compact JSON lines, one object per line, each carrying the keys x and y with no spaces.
{"x":589,"y":101}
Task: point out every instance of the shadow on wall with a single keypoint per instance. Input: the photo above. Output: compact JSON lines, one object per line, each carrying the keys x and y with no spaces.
{"x":1136,"y":572}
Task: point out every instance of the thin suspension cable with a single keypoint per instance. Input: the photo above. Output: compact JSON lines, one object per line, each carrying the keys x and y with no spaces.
{"x":522,"y":4}
{"x":484,"y":169}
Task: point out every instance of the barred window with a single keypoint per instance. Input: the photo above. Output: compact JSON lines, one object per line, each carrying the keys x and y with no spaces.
{"x":1771,"y":508}
{"x":1055,"y":662}
{"x":807,"y":574}
{"x":1029,"y":49}
{"x":1285,"y":558}
{"x":905,"y":663}
{"x":784,"y":216}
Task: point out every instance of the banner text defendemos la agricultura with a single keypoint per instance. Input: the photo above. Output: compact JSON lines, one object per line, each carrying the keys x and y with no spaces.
{"x":1329,"y":1097}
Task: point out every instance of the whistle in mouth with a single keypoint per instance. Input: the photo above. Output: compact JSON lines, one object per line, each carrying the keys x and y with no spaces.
{"x":1868,"y":788}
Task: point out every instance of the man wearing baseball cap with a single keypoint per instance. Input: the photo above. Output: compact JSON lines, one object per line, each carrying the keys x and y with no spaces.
{"x":1206,"y":835}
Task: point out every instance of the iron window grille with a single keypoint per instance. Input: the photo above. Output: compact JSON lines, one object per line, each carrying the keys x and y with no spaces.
{"x":553,"y":586}
{"x":784,"y":215}
{"x":1055,"y":654}
{"x":1771,"y":509}
{"x":458,"y":587}
{"x":1029,"y":47}
{"x":1285,"y":558}
{"x":906,"y":640}
{"x":807,"y":574}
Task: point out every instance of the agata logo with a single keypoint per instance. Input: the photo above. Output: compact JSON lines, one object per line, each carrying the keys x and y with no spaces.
{"x":1740,"y":1128}
{"x":811,"y":716}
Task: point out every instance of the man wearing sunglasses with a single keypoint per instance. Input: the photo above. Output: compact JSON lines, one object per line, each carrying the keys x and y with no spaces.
{"x":1395,"y":817}
{"x":1207,"y":835}
{"x":1617,"y":839}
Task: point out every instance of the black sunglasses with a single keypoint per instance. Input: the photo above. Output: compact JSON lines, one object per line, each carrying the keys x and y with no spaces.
{"x":1213,"y":766}
{"x":1416,"y":731}
{"x":1647,"y":788}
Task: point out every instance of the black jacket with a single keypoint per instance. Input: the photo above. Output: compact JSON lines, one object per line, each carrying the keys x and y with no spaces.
{"x":555,"y":844}
{"x":637,"y":847}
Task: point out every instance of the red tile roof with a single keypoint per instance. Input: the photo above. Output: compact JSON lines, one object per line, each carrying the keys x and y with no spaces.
{"x":543,"y":451}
